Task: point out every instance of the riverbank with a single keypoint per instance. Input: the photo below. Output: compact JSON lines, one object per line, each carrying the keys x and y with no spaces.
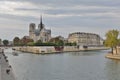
{"x":115,"y":55}
{"x":112,"y":56}
{"x":6,"y":71}
{"x":52,"y":49}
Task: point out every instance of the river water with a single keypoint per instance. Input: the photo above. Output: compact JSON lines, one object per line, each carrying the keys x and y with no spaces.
{"x":90,"y":65}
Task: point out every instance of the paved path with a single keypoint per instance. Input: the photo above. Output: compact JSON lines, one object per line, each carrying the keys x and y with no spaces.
{"x":0,"y":71}
{"x":112,"y":56}
{"x":3,"y":66}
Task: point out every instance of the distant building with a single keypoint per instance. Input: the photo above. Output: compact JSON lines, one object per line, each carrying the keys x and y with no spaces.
{"x":10,"y":43}
{"x":41,"y":33}
{"x":86,"y":39}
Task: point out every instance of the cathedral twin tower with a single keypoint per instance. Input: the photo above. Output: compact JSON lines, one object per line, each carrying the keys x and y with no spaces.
{"x":41,"y":33}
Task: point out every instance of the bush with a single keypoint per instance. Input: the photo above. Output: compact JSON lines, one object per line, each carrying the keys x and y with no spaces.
{"x":30,"y":44}
{"x":70,"y":44}
{"x":45,"y":44}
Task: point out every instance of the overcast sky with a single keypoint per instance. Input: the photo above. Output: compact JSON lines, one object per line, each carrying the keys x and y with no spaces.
{"x":61,"y":16}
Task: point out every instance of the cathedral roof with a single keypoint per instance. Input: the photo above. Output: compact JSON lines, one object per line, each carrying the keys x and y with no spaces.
{"x":37,"y":32}
{"x":41,"y":29}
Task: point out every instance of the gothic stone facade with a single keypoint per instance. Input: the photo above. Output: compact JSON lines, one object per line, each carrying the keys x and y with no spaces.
{"x":87,"y":39}
{"x":41,"y":33}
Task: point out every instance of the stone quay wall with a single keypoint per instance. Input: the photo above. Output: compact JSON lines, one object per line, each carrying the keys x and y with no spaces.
{"x":51,"y":49}
{"x":115,"y":54}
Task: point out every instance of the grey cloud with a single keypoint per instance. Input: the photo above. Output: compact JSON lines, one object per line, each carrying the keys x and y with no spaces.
{"x":102,"y":18}
{"x":74,"y":2}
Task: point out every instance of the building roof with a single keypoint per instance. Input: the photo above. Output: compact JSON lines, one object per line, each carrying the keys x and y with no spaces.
{"x":37,"y":32}
{"x":83,"y":33}
{"x":41,"y":28}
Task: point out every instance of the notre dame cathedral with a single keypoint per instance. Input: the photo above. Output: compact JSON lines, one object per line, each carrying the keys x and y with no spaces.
{"x":41,"y":33}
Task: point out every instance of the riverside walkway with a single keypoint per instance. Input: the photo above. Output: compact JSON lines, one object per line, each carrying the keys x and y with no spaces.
{"x":6,"y":72}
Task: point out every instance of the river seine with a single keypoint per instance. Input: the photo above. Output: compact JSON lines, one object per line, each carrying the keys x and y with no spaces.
{"x":90,"y":65}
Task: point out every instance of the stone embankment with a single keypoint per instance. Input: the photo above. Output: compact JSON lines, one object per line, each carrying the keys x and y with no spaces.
{"x":112,"y":56}
{"x":52,"y":49}
{"x":6,"y":71}
{"x":115,"y":54}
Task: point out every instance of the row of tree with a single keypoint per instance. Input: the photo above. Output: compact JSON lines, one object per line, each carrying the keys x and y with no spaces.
{"x":29,"y":42}
{"x":21,"y":42}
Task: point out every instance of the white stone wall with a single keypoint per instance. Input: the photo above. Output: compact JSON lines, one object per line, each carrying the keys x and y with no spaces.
{"x":85,"y":38}
{"x":51,"y":49}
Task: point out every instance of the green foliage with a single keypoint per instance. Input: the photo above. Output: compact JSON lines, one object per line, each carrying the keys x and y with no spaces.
{"x":5,"y":42}
{"x":119,"y":42}
{"x":53,"y":42}
{"x":30,"y":44}
{"x":70,"y":44}
{"x":22,"y":42}
{"x":74,"y":44}
{"x":39,"y":42}
{"x":44,"y":44}
{"x":112,"y":38}
{"x":16,"y":41}
{"x":59,"y":43}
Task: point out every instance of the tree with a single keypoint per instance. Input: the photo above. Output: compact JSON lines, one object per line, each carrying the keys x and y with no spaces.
{"x":57,"y":41}
{"x":118,"y":42}
{"x":112,"y":39}
{"x":5,"y":42}
{"x":70,"y":44}
{"x":39,"y":41}
{"x":16,"y":41}
{"x":25,"y":40}
{"x":30,"y":44}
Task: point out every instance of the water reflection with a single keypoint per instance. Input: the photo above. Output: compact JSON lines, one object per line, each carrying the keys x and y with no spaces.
{"x":83,"y":53}
{"x":113,"y":69}
{"x":91,"y":65}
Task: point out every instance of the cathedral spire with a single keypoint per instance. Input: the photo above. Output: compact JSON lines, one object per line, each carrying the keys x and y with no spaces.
{"x":41,"y":20}
{"x":41,"y":26}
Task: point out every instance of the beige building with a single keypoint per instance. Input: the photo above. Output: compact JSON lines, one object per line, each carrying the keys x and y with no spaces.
{"x":87,"y":39}
{"x":41,"y":33}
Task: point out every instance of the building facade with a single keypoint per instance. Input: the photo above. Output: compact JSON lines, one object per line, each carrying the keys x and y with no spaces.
{"x":41,"y":33}
{"x":86,"y":39}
